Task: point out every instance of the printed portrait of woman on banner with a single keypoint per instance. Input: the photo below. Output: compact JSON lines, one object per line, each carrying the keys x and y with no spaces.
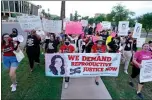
{"x":138,"y":29}
{"x":123,"y":26}
{"x":57,"y":65}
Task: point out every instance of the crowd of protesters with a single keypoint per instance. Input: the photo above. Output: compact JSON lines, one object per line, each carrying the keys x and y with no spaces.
{"x":84,"y":43}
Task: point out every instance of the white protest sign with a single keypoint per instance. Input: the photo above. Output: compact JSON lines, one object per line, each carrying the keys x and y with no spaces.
{"x":123,"y":28}
{"x":56,"y":26}
{"x":146,"y":71}
{"x":140,"y":41}
{"x":53,"y":26}
{"x":29,"y":23}
{"x":64,"y":22}
{"x":82,"y":64}
{"x":106,"y":24}
{"x":137,"y":30}
{"x":84,"y":22}
{"x":94,"y":25}
{"x":46,"y":25}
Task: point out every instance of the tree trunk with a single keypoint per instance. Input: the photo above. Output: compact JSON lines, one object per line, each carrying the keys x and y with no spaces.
{"x":62,"y":16}
{"x":147,"y":32}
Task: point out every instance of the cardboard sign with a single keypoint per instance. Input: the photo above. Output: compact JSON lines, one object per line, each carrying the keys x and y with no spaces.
{"x":146,"y":71}
{"x":82,"y":64}
{"x":29,"y":23}
{"x":123,"y":28}
{"x":99,"y":27}
{"x":106,"y":25}
{"x":84,"y":22}
{"x":64,"y":22}
{"x":73,"y":28}
{"x":137,"y":30}
{"x":53,"y":26}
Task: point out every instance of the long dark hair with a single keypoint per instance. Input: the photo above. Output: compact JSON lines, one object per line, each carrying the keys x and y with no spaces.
{"x":52,"y":67}
{"x":3,"y":41}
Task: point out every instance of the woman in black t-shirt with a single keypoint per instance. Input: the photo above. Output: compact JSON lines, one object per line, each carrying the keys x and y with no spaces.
{"x":33,"y":48}
{"x":52,"y":44}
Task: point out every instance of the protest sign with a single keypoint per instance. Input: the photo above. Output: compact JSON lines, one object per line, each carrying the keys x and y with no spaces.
{"x":64,"y":22}
{"x":106,"y":25}
{"x":46,"y":25}
{"x":53,"y":26}
{"x":29,"y":23}
{"x":82,"y":64}
{"x":84,"y":22}
{"x":123,"y":28}
{"x":137,"y":30}
{"x":99,"y":27}
{"x":94,"y":25}
{"x":140,"y":41}
{"x":146,"y":71}
{"x":73,"y":28}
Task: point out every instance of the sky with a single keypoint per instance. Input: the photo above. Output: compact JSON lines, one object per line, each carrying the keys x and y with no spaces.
{"x":89,"y":8}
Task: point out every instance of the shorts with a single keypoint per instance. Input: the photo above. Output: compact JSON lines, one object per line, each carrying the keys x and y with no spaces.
{"x":135,"y":73}
{"x":10,"y":61}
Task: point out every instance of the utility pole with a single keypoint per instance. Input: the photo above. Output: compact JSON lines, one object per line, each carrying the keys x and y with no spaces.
{"x":62,"y":15}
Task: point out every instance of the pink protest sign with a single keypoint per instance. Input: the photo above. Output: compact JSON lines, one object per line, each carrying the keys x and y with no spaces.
{"x":73,"y":28}
{"x":113,"y":34}
{"x":99,"y":27}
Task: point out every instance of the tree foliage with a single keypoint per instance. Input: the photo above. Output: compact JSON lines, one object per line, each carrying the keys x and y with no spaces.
{"x":120,"y":13}
{"x":146,"y":21}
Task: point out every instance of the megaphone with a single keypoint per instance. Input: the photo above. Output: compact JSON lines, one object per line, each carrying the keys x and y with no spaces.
{"x":19,"y":38}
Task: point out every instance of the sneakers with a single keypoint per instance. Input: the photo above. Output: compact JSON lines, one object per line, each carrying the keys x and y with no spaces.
{"x":140,"y":95}
{"x":13,"y":87}
{"x":66,"y":85}
{"x":131,"y":84}
{"x":97,"y":83}
{"x":126,"y":71}
{"x":12,"y":84}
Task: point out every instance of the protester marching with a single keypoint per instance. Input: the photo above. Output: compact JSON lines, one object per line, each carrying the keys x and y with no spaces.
{"x":77,"y":51}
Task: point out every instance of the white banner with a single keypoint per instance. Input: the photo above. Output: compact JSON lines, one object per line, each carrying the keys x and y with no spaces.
{"x":106,"y":25}
{"x":137,"y":30}
{"x":84,"y":22}
{"x":82,"y":64}
{"x":123,"y":28}
{"x":140,"y":41}
{"x":146,"y":71}
{"x":29,"y":23}
{"x":53,"y":26}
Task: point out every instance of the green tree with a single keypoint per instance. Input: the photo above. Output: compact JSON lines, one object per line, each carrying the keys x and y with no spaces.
{"x":76,"y":16}
{"x":100,"y":18}
{"x":85,"y":18}
{"x":146,"y":21}
{"x":91,"y":20}
{"x":131,"y":22}
{"x":120,"y":13}
{"x":71,"y":17}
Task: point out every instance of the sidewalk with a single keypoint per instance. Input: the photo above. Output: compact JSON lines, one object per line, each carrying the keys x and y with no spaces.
{"x":85,"y":88}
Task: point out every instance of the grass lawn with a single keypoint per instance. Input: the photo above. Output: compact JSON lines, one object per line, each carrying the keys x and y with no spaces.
{"x":34,"y":86}
{"x":120,"y":89}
